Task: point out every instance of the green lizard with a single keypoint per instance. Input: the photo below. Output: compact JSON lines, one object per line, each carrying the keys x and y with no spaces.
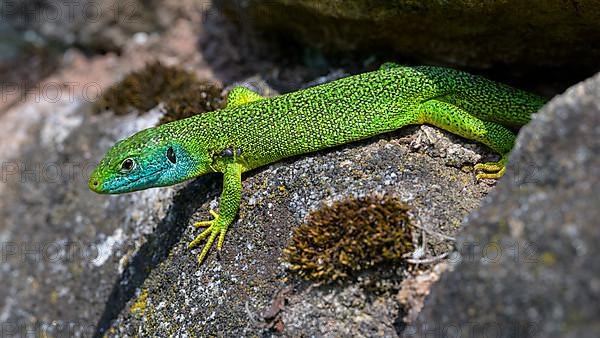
{"x":252,"y":131}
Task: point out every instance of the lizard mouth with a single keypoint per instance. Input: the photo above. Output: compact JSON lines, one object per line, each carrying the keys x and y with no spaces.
{"x":98,"y":186}
{"x":95,"y":183}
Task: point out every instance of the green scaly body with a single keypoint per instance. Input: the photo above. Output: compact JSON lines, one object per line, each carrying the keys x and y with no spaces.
{"x":253,"y":131}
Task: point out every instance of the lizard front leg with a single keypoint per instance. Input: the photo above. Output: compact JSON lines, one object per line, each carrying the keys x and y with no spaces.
{"x":228,"y":208}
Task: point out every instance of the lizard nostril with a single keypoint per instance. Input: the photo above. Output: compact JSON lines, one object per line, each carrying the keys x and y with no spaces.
{"x":95,"y":183}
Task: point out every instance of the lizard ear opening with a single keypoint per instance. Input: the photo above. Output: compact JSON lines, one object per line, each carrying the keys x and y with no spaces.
{"x":171,"y":155}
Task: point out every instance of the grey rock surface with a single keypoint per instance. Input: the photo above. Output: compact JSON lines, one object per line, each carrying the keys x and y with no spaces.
{"x":94,"y":25}
{"x":12,"y":43}
{"x":63,"y":248}
{"x":530,"y":263}
{"x":60,"y":251}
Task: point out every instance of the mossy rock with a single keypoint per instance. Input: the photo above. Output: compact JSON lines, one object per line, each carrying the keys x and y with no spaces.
{"x":181,"y":92}
{"x":470,"y":33}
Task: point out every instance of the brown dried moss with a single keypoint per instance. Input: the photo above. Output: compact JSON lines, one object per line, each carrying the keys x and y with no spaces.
{"x":181,"y":92}
{"x":349,"y":236}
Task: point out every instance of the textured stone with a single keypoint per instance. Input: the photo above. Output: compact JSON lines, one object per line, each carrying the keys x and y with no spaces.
{"x":94,"y":25}
{"x":63,"y":248}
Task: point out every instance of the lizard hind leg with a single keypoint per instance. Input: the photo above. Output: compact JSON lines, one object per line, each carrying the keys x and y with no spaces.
{"x":456,"y":120}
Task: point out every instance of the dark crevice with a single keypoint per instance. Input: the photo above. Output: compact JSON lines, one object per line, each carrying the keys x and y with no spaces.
{"x":399,"y":324}
{"x":236,"y":48}
{"x":167,"y":234}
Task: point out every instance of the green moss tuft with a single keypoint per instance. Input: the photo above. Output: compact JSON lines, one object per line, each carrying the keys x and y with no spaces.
{"x":181,"y":92}
{"x":349,"y":236}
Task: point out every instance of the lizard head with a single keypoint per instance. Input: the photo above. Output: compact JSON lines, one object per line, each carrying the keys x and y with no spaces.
{"x":150,"y":158}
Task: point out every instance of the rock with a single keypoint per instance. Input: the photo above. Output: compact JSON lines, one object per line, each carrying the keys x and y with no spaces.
{"x":239,"y":292}
{"x":12,"y":44}
{"x":99,"y":25}
{"x":461,"y":33}
{"x":247,"y":290}
{"x":79,"y":264}
{"x":83,"y":264}
{"x":63,"y":248}
{"x":87,"y":264}
{"x":529,"y":255}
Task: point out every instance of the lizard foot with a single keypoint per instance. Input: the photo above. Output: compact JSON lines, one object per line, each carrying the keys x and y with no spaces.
{"x":215,"y":227}
{"x":495,"y":170}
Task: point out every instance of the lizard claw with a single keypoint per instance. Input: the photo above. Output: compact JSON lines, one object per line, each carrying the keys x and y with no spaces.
{"x":215,"y":227}
{"x":495,"y":170}
{"x":207,"y":223}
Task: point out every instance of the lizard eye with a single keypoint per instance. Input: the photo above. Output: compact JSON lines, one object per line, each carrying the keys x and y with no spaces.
{"x":127,"y":165}
{"x":171,"y":155}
